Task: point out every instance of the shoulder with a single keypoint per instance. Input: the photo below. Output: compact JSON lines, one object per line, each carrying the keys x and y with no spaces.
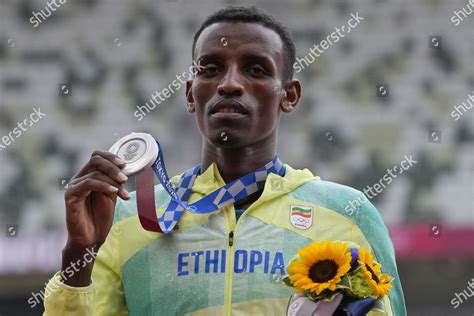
{"x":347,"y":201}
{"x":334,"y":196}
{"x":327,"y":187}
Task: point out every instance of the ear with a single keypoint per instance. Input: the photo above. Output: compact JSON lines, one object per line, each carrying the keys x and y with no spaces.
{"x":189,"y":96}
{"x":291,"y":95}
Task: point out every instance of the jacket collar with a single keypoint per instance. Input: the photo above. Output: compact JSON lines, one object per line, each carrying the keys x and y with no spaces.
{"x":275,"y":186}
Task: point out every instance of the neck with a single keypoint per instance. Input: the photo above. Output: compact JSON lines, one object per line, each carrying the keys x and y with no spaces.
{"x":234,"y":163}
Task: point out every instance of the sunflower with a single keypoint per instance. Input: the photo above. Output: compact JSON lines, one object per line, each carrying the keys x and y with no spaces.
{"x":380,"y":282}
{"x":319,"y":266}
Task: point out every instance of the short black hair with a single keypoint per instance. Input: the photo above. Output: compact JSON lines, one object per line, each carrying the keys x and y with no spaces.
{"x":255,"y":15}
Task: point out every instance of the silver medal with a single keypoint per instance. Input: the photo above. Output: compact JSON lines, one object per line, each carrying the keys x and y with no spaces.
{"x":137,"y":150}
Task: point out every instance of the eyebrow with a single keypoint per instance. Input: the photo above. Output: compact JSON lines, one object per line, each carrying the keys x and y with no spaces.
{"x":262,"y":59}
{"x":259,"y":58}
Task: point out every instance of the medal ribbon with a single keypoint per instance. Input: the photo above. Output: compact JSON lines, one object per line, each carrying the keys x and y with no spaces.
{"x":228,"y":194}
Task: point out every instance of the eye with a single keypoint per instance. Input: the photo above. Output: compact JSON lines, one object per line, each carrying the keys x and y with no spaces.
{"x":209,"y":70}
{"x":257,"y":70}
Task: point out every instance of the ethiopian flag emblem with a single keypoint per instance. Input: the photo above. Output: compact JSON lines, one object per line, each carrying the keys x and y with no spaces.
{"x":301,"y":216}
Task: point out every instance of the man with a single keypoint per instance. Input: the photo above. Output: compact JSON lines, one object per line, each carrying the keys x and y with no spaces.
{"x":229,"y":261}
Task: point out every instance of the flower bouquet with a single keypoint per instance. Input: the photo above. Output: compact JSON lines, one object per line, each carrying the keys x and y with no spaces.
{"x":336,"y":278}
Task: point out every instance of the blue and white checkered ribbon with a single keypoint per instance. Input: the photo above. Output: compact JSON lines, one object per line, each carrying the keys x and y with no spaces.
{"x":230,"y":193}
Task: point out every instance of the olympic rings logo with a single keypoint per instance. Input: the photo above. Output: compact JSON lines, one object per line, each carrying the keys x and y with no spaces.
{"x":131,"y":150}
{"x":301,"y":220}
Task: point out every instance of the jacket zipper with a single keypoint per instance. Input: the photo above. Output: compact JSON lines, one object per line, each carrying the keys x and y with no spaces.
{"x":232,"y":226}
{"x":230,"y":221}
{"x":231,"y":239}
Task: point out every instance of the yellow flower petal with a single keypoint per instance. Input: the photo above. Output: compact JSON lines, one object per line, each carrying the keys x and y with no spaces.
{"x":300,"y":270}
{"x":380,"y":283}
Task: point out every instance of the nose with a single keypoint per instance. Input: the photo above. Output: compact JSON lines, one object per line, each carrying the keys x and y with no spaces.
{"x":230,"y":84}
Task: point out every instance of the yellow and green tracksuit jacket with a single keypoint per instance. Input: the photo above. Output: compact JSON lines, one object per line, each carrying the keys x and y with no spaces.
{"x":215,"y":265}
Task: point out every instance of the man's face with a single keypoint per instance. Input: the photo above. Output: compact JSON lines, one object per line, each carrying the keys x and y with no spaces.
{"x":237,"y":94}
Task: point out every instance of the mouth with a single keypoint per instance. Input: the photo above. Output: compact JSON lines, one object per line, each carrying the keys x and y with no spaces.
{"x":228,"y":109}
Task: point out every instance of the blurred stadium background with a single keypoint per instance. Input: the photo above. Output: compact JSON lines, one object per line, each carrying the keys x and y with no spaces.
{"x":116,"y":53}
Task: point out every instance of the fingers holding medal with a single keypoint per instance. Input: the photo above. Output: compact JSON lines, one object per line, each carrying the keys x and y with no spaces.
{"x":102,"y":173}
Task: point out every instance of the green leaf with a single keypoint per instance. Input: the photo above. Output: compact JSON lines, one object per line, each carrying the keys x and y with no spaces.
{"x":345,"y":283}
{"x":287,"y":281}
